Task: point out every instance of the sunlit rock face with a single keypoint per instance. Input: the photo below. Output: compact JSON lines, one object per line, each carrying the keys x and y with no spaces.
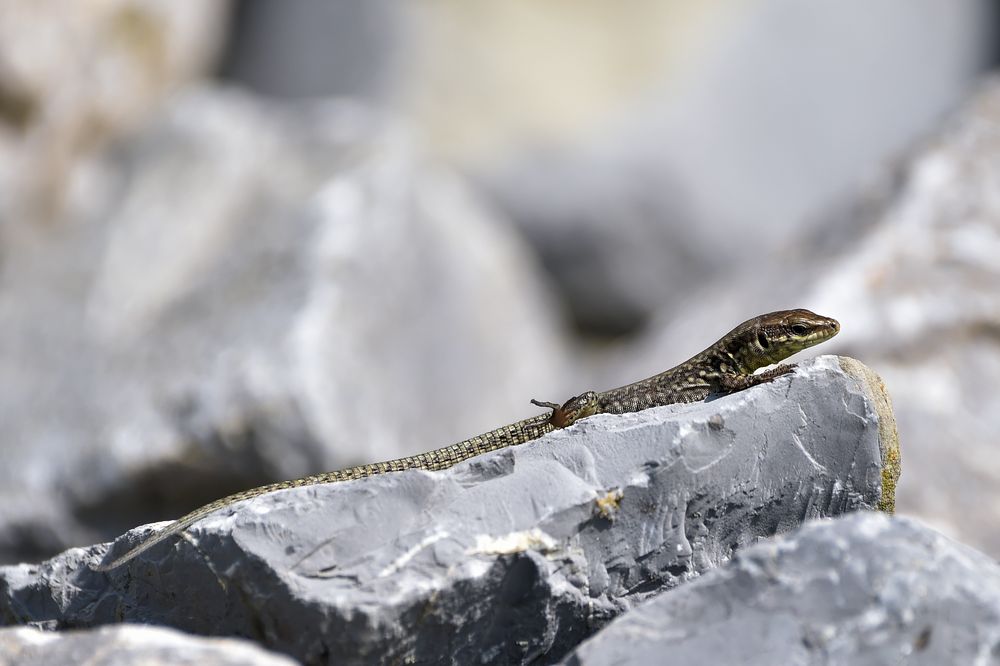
{"x":518,"y":555}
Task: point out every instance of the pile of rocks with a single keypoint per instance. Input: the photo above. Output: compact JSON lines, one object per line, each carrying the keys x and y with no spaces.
{"x":513,"y":557}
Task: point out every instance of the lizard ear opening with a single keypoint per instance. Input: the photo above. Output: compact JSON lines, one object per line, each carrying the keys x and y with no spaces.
{"x":762,"y":340}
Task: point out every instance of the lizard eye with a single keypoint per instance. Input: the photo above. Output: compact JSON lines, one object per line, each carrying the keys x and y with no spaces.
{"x":799,"y":329}
{"x":762,"y":340}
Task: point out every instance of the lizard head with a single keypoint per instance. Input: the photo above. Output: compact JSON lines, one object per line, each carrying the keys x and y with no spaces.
{"x":775,"y":336}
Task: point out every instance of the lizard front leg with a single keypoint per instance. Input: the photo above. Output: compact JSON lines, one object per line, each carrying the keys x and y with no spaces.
{"x":574,"y":409}
{"x":731,"y":382}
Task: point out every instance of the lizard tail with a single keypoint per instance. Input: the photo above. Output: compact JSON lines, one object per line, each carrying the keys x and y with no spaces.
{"x":510,"y":435}
{"x":185,"y":522}
{"x":175,"y":527}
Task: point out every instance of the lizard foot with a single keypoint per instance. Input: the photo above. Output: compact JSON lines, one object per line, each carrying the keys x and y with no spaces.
{"x":572,"y":410}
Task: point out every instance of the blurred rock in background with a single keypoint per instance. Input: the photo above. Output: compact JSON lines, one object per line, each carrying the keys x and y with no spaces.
{"x":910,"y":267}
{"x":922,"y":288}
{"x":315,"y":48}
{"x":213,"y":325}
{"x":731,"y":152}
{"x":75,"y":75}
{"x":211,"y":282}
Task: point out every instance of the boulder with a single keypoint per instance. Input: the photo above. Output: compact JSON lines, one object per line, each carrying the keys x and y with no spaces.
{"x":861,"y":589}
{"x":513,"y":556}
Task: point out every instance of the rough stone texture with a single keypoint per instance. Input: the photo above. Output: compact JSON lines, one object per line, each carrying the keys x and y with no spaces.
{"x":860,"y":590}
{"x":214,"y":324}
{"x":512,"y":557}
{"x":910,"y":269}
{"x":888,"y":435}
{"x":126,"y":645}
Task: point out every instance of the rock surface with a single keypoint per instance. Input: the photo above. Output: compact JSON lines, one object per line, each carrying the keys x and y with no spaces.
{"x":128,"y":644}
{"x":511,"y":557}
{"x":860,"y":590}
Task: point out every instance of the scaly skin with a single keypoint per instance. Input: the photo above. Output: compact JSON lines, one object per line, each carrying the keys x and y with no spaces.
{"x":726,"y":366}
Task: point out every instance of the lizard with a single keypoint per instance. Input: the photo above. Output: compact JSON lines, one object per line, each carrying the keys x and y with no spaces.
{"x":728,"y":365}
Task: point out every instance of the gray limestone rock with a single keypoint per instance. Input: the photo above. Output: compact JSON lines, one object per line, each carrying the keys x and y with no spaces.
{"x":515,"y":556}
{"x":860,"y":590}
{"x":128,"y":644}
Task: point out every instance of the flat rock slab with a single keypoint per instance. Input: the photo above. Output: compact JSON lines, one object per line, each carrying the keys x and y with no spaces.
{"x":128,"y":644}
{"x":862,"y":589}
{"x":516,"y":556}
